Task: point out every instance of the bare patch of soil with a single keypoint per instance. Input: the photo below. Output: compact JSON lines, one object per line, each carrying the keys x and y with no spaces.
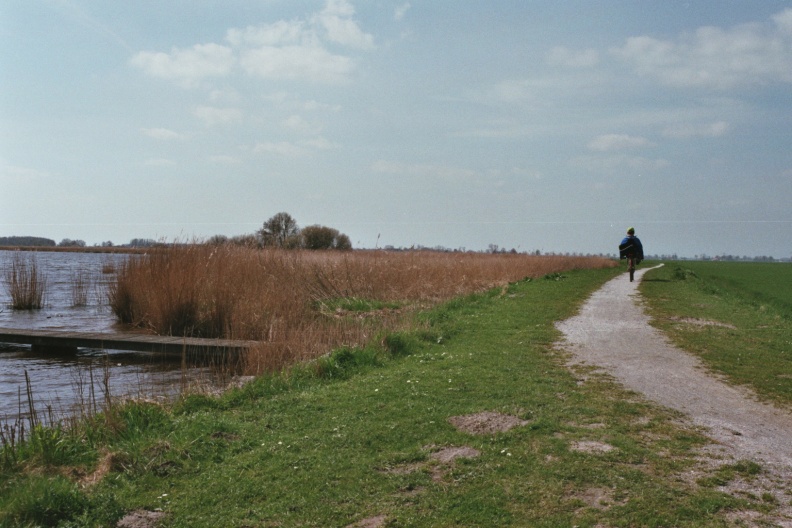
{"x":702,"y":322}
{"x":444,"y":457}
{"x":141,"y":519}
{"x":370,"y":522}
{"x":486,"y":422}
{"x":599,"y":498}
{"x":448,"y":455}
{"x":591,"y":446}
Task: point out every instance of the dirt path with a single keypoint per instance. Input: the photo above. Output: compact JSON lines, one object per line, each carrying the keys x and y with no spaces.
{"x":605,"y":334}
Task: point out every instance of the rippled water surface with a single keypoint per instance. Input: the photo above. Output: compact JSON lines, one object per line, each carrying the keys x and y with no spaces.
{"x":64,"y":382}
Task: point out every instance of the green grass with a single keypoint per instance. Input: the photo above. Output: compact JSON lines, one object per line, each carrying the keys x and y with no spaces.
{"x":736,"y":316}
{"x":356,"y":305}
{"x":350,"y":437}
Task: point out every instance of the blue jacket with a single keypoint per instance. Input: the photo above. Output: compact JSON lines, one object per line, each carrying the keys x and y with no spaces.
{"x":631,"y":247}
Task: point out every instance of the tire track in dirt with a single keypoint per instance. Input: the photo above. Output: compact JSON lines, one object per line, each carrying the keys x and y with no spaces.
{"x":612,"y":332}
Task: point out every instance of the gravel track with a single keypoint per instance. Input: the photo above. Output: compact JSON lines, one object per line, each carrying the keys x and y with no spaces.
{"x":612,"y":332}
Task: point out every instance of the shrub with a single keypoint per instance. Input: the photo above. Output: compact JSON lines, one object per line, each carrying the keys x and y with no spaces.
{"x":681,"y":274}
{"x":322,"y":237}
{"x":400,"y":344}
{"x":25,"y":284}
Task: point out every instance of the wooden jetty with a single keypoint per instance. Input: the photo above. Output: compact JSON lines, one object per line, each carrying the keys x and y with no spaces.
{"x":68,"y":341}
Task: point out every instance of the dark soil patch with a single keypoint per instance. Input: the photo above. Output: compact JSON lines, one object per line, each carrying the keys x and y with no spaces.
{"x":486,"y":422}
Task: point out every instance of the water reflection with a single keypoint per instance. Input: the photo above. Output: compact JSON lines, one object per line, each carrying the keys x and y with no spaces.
{"x":68,"y":382}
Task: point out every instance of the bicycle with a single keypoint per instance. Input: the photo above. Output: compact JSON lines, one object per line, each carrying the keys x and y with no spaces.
{"x":631,"y":261}
{"x":631,"y":249}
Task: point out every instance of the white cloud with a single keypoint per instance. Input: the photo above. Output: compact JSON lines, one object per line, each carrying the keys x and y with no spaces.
{"x":162,"y":133}
{"x":297,"y":124}
{"x":714,"y":57}
{"x":561,"y":56}
{"x":295,"y":50}
{"x":784,"y":21}
{"x":512,"y":91}
{"x":339,"y":8}
{"x":277,"y":34}
{"x":681,"y":131}
{"x":609,"y":142}
{"x":618,"y":163}
{"x":400,"y":11}
{"x":226,"y":95}
{"x":212,"y":115}
{"x":283,"y":50}
{"x":340,"y":28}
{"x":312,"y":63}
{"x":320,"y":143}
{"x":187,"y":66}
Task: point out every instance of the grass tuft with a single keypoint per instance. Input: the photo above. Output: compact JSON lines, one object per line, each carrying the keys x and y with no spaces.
{"x":681,"y":274}
{"x":25,"y":283}
{"x":81,"y":284}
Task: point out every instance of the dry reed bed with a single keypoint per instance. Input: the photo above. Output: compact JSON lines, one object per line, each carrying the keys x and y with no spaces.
{"x":277,"y":296}
{"x":25,"y":283}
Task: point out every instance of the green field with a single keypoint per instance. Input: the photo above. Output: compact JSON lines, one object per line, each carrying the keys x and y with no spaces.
{"x":769,"y":283}
{"x":737,"y":316}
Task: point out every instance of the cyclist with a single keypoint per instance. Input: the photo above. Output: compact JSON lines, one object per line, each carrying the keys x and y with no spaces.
{"x":632,"y":250}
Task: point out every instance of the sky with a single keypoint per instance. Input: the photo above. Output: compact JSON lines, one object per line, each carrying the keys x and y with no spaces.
{"x":530,"y":125}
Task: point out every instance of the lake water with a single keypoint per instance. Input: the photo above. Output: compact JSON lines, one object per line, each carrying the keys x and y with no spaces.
{"x":64,"y":382}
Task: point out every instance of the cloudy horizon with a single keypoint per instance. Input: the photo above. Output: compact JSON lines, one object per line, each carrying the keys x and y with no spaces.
{"x":528,"y":125}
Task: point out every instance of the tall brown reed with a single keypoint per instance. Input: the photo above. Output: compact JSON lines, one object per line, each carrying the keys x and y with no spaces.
{"x":81,"y":282}
{"x":275,"y":296}
{"x":25,"y":283}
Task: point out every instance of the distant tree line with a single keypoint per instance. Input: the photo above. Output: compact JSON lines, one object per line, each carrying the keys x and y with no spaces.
{"x":282,"y":231}
{"x":31,"y":241}
{"x":68,"y":242}
{"x":26,"y":241}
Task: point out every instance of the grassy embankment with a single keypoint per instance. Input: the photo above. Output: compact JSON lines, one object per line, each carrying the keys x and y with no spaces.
{"x":736,"y":316}
{"x":357,"y":436}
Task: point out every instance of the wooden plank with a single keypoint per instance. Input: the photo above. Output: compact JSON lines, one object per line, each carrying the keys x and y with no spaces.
{"x":63,"y":339}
